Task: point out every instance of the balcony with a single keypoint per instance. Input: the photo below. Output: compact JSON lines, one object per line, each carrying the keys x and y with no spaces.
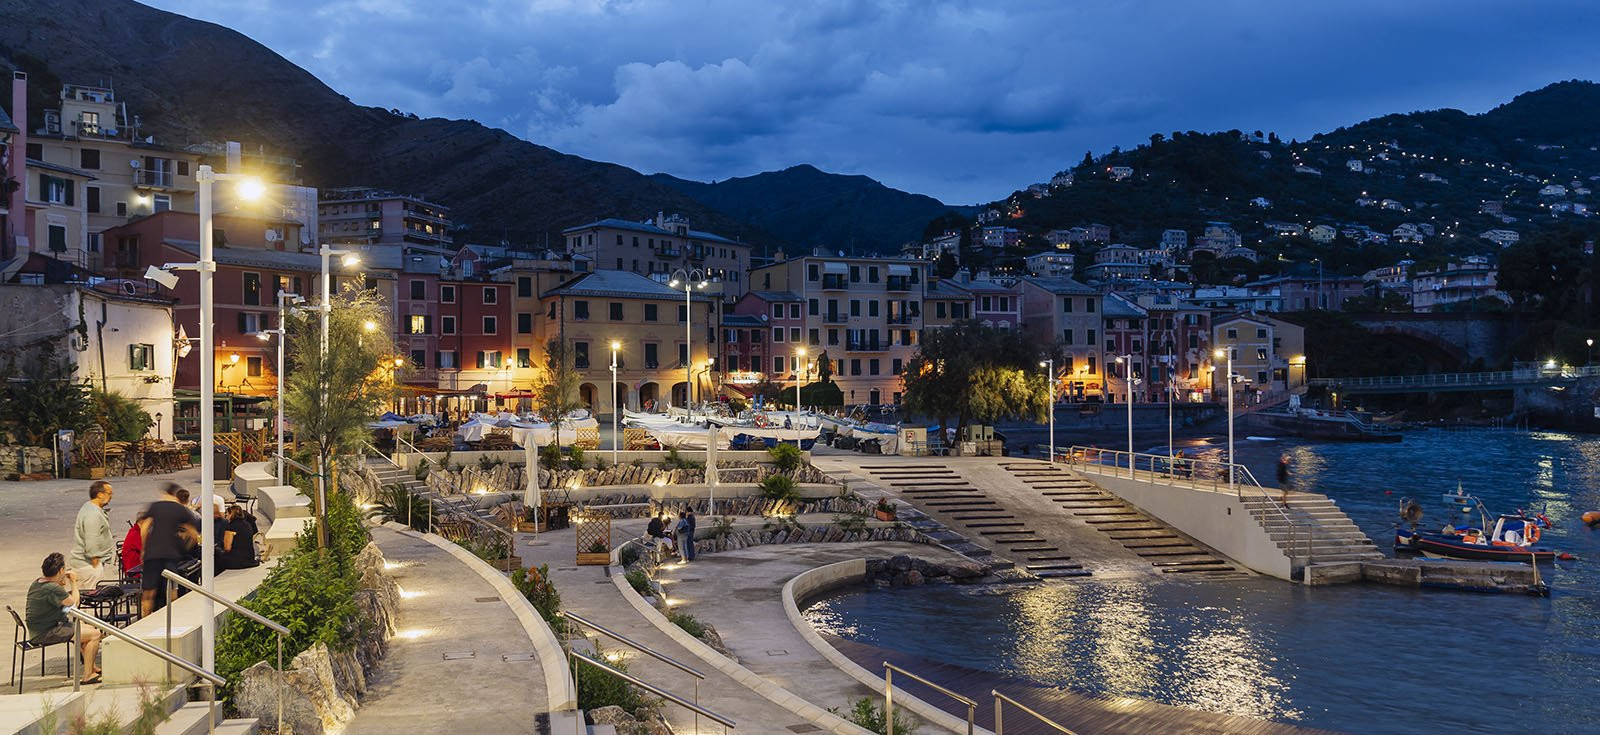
{"x":902,"y":319}
{"x":834,"y":317}
{"x":898,"y":283}
{"x":148,"y":178}
{"x":866,"y":346}
{"x":834,"y":282}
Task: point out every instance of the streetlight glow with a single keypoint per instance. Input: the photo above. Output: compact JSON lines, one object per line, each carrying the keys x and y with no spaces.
{"x":250,"y":189}
{"x":350,"y":260}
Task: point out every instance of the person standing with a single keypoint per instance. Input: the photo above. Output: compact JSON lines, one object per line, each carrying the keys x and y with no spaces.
{"x":92,"y":544}
{"x":685,"y":533}
{"x":54,"y":590}
{"x":1283,"y":478}
{"x":690,"y":517}
{"x":169,"y":530}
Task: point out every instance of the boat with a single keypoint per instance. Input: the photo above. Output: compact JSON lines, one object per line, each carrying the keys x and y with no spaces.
{"x":1512,"y":537}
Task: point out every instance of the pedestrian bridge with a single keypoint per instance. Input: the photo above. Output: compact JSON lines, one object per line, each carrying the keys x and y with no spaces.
{"x":1521,"y":377}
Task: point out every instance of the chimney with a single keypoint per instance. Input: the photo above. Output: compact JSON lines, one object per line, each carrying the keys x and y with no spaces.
{"x":235,"y":157}
{"x":17,"y":167}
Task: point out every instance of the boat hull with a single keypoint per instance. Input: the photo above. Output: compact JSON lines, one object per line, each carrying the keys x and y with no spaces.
{"x":1439,"y":546}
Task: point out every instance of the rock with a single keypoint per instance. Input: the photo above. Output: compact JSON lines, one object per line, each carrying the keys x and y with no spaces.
{"x":313,"y":702}
{"x":966,"y":571}
{"x":914,"y":578}
{"x":900,"y":563}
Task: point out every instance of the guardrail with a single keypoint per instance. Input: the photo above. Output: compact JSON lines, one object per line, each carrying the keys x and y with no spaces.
{"x":888,"y":698}
{"x":646,"y":650}
{"x":647,"y":686}
{"x":999,"y":726}
{"x":1493,"y":377}
{"x":1189,"y":473}
{"x":211,"y":678}
{"x":174,"y":580}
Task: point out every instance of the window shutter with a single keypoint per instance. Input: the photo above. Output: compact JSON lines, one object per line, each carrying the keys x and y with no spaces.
{"x":241,"y":322}
{"x":71,"y":185}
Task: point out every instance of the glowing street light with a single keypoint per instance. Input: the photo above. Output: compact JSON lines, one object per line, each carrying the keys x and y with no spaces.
{"x":1049,"y":366}
{"x":690,"y":279}
{"x":1220,"y":354}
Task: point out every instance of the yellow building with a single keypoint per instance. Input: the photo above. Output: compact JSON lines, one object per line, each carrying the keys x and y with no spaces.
{"x":1268,"y":354}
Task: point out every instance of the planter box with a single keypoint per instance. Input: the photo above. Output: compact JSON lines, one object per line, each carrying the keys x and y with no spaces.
{"x":883,"y":515}
{"x":87,"y":473}
{"x":507,"y":564}
{"x":594,"y":558}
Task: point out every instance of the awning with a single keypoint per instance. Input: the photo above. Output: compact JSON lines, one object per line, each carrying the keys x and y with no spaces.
{"x":835,"y":268}
{"x":742,"y":391}
{"x":899,"y":270}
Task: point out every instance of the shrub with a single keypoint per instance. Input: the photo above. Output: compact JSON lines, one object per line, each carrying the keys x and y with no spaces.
{"x":629,"y":554}
{"x":677,"y":462}
{"x":852,"y":522}
{"x":687,"y":622}
{"x":311,"y":592}
{"x":598,"y":689}
{"x":640,"y":582}
{"x":721,"y":526}
{"x":488,"y":546}
{"x":780,"y":487}
{"x":397,"y":504}
{"x":869,"y":715}
{"x":119,"y":415}
{"x":535,"y":585}
{"x":786,"y":457}
{"x":884,"y":505}
{"x":575,"y":458}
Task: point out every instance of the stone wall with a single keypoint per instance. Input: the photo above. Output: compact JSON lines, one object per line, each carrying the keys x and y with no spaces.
{"x":323,"y":687}
{"x":15,"y":459}
{"x":510,"y":478}
{"x":733,"y":540}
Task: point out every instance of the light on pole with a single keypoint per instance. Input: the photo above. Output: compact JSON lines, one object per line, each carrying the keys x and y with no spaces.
{"x":691,"y":279}
{"x":346,"y":258}
{"x":1049,"y":366}
{"x":1172,"y":366}
{"x":284,"y":299}
{"x":1126,"y":361}
{"x":1220,"y":354}
{"x":1590,"y":343}
{"x":615,"y":345}
{"x":799,"y":360}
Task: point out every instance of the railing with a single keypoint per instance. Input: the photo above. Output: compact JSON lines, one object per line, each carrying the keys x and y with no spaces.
{"x":1495,"y":377}
{"x":888,"y":698}
{"x":642,"y":648}
{"x":999,"y":722}
{"x":574,"y":656}
{"x":834,"y":317}
{"x":834,"y":282}
{"x":866,"y":346}
{"x":1193,"y":474}
{"x":174,"y":580}
{"x":211,"y":678}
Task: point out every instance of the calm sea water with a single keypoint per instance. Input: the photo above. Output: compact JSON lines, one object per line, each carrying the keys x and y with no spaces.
{"x":1358,"y":658}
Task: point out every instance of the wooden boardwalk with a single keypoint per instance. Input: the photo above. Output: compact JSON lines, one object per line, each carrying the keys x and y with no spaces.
{"x":1086,"y":715}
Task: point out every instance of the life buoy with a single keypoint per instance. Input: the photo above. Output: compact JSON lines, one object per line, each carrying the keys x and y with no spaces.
{"x":761,"y":421}
{"x":1532,"y":530}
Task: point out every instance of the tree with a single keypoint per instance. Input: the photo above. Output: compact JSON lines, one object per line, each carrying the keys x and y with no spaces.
{"x":42,"y":396}
{"x":946,"y":266}
{"x":330,"y":397}
{"x":119,"y":415}
{"x":556,"y":390}
{"x":969,"y":372}
{"x":824,"y":368}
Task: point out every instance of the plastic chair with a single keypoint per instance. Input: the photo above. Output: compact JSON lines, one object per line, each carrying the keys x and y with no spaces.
{"x":20,"y":648}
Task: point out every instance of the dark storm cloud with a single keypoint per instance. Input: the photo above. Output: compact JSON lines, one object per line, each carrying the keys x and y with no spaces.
{"x":962,"y":100}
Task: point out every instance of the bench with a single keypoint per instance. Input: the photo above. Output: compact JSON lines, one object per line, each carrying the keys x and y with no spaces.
{"x":250,"y":477}
{"x":281,"y":501}
{"x":280,"y":537}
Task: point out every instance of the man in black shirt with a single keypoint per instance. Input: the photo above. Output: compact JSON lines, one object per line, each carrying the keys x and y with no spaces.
{"x":169,"y":531}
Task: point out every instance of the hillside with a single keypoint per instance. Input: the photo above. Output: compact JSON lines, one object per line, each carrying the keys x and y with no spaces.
{"x":193,"y":81}
{"x":1439,"y":166}
{"x":807,"y":208}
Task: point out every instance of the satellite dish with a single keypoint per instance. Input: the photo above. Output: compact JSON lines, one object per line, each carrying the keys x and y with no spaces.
{"x":272,"y":235}
{"x":134,"y":163}
{"x":129,"y":289}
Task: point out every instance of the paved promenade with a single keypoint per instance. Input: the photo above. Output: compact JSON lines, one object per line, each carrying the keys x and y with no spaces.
{"x":461,"y":661}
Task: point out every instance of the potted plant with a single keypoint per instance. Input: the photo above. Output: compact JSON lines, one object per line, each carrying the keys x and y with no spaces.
{"x":884,"y":510}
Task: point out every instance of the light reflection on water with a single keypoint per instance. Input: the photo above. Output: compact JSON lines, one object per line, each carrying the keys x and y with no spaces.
{"x":1366,"y":659}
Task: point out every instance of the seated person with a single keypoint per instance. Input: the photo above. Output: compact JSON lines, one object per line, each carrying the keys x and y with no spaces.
{"x":55,"y":589}
{"x":657,"y":531}
{"x":237,"y":540}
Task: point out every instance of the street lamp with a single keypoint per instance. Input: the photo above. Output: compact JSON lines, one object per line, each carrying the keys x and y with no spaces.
{"x":1049,"y":366}
{"x":691,"y":279}
{"x":1126,"y":361}
{"x":284,"y":299}
{"x":800,"y":359}
{"x":615,"y":345}
{"x":1220,"y":354}
{"x":1590,"y":343}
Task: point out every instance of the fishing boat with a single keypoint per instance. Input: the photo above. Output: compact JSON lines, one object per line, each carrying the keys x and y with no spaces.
{"x":1511,"y":537}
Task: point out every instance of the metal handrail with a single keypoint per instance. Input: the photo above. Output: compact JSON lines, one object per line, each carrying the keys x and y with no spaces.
{"x":999,"y":727}
{"x":631,"y":643}
{"x":211,"y":678}
{"x":653,"y":689}
{"x":888,"y":698}
{"x":308,"y":469}
{"x":381,"y":455}
{"x":173,"y":578}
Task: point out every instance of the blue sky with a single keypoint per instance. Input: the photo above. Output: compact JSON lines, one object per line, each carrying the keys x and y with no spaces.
{"x":964,"y":101}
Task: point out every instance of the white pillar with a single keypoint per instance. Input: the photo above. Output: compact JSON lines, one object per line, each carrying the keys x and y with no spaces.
{"x":208,"y":439}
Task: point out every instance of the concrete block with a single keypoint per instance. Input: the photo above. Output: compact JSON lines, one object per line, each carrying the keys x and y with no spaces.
{"x":1336,"y":573}
{"x":250,"y":477}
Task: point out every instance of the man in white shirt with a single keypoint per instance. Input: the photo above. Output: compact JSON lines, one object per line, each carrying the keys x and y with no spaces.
{"x":92,"y":544}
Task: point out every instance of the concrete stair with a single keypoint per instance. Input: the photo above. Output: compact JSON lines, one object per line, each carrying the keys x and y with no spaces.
{"x":190,"y":719}
{"x":1333,"y":536}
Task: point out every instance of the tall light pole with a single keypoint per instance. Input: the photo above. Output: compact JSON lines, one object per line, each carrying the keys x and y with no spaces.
{"x":615,"y":345}
{"x":799,"y":359}
{"x":1590,"y":343}
{"x":1049,"y":366}
{"x":284,"y":299}
{"x":1126,"y":361}
{"x":691,"y":279}
{"x":347,"y":259}
{"x":1172,"y":365}
{"x":1220,"y":354}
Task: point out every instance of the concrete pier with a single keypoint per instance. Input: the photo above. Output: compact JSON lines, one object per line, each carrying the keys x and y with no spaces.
{"x":1477,"y":576}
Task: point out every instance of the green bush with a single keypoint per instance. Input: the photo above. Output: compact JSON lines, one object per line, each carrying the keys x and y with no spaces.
{"x":852,"y":522}
{"x":721,"y":526}
{"x":398,"y":505}
{"x":119,"y":415}
{"x":640,"y":582}
{"x":687,"y":622}
{"x":629,"y":554}
{"x":487,"y":546}
{"x":674,"y":461}
{"x":869,"y":715}
{"x":780,"y":487}
{"x":535,"y":585}
{"x":786,"y":457}
{"x":422,"y":470}
{"x":598,"y":688}
{"x":575,"y":458}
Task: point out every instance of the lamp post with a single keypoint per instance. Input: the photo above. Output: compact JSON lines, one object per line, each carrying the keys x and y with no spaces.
{"x":1590,"y":343}
{"x":800,"y":359}
{"x":615,"y":345}
{"x":1220,"y":354}
{"x":691,"y":279}
{"x":1172,"y":365}
{"x":284,"y":299}
{"x":1049,"y":366}
{"x":1126,"y":361}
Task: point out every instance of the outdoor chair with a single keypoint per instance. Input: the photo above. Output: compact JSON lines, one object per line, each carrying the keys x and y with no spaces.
{"x":20,"y":648}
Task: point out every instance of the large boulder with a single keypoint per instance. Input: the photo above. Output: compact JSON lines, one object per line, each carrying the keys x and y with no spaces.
{"x":313,"y":701}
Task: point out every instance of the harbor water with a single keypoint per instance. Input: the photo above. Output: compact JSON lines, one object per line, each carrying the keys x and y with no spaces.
{"x":1356,"y":658}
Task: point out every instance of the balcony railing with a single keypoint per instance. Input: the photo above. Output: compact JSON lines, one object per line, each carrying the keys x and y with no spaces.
{"x":156,"y":178}
{"x":898,"y":283}
{"x":834,"y":317}
{"x":902,"y":318}
{"x":834,"y":282}
{"x":866,"y":346}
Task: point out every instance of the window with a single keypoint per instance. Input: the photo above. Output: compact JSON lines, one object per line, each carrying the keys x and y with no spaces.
{"x":252,"y":289}
{"x":420,"y":325}
{"x":855,"y":274}
{"x":580,"y":310}
{"x":755,"y":336}
{"x":91,"y":196}
{"x":419,"y":359}
{"x":986,"y":304}
{"x":491,"y":325}
{"x":855,"y":366}
{"x":250,"y":322}
{"x":650,"y":312}
{"x":794,"y":334}
{"x":872,"y":307}
{"x":252,"y":366}
{"x":122,"y":209}
{"x":777,"y":334}
{"x":683,"y":355}
{"x":524,"y":323}
{"x":616,"y":311}
{"x":777,"y":364}
{"x":872,"y":366}
{"x":488,"y":359}
{"x":1088,"y":305}
{"x":58,"y":238}
{"x":160,"y":202}
{"x":1093,"y":363}
{"x":56,"y":191}
{"x":1005,"y":303}
{"x":1111,"y":345}
{"x":794,"y":311}
{"x":94,"y":242}
{"x":1138,"y":345}
{"x":1261,"y":377}
{"x":1090,"y":339}
{"x":938,"y":309}
{"x":525,"y":285}
{"x":1233,"y":334}
{"x":1066,"y":364}
{"x":89,"y":158}
{"x":777,"y":311}
{"x":489,"y":295}
{"x":1066,"y":336}
{"x":141,"y":357}
{"x":733,"y":363}
{"x":1261,"y":353}
{"x":580,"y":355}
{"x":447,"y":325}
{"x":683,"y":314}
{"x":651,"y":359}
{"x":896,"y":366}
{"x":447,"y":294}
{"x":1194,"y":341}
{"x":419,"y":290}
{"x":811,"y":270}
{"x":183,"y":168}
{"x":811,"y":307}
{"x":872,"y":274}
{"x":833,"y":336}
{"x":447,"y":360}
{"x":816,"y":337}
{"x":855,"y":307}
{"x":1261,"y":334}
{"x":524,"y":358}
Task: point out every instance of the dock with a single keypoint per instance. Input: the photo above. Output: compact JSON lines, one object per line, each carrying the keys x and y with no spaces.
{"x":1456,"y":574}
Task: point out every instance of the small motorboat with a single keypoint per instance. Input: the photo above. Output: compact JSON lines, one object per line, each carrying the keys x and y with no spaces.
{"x":1512,"y":537}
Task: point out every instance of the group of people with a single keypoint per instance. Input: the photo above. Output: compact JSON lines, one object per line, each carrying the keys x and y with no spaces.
{"x":165,"y":536}
{"x":673,"y":539}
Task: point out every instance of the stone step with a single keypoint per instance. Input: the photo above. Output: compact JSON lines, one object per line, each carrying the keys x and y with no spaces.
{"x":1036,"y":568}
{"x":1321,"y":558}
{"x":191,"y":719}
{"x":1061,"y":573}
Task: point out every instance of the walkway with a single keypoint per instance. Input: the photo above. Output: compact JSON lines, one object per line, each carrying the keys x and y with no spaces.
{"x":461,"y":661}
{"x":590,"y":592}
